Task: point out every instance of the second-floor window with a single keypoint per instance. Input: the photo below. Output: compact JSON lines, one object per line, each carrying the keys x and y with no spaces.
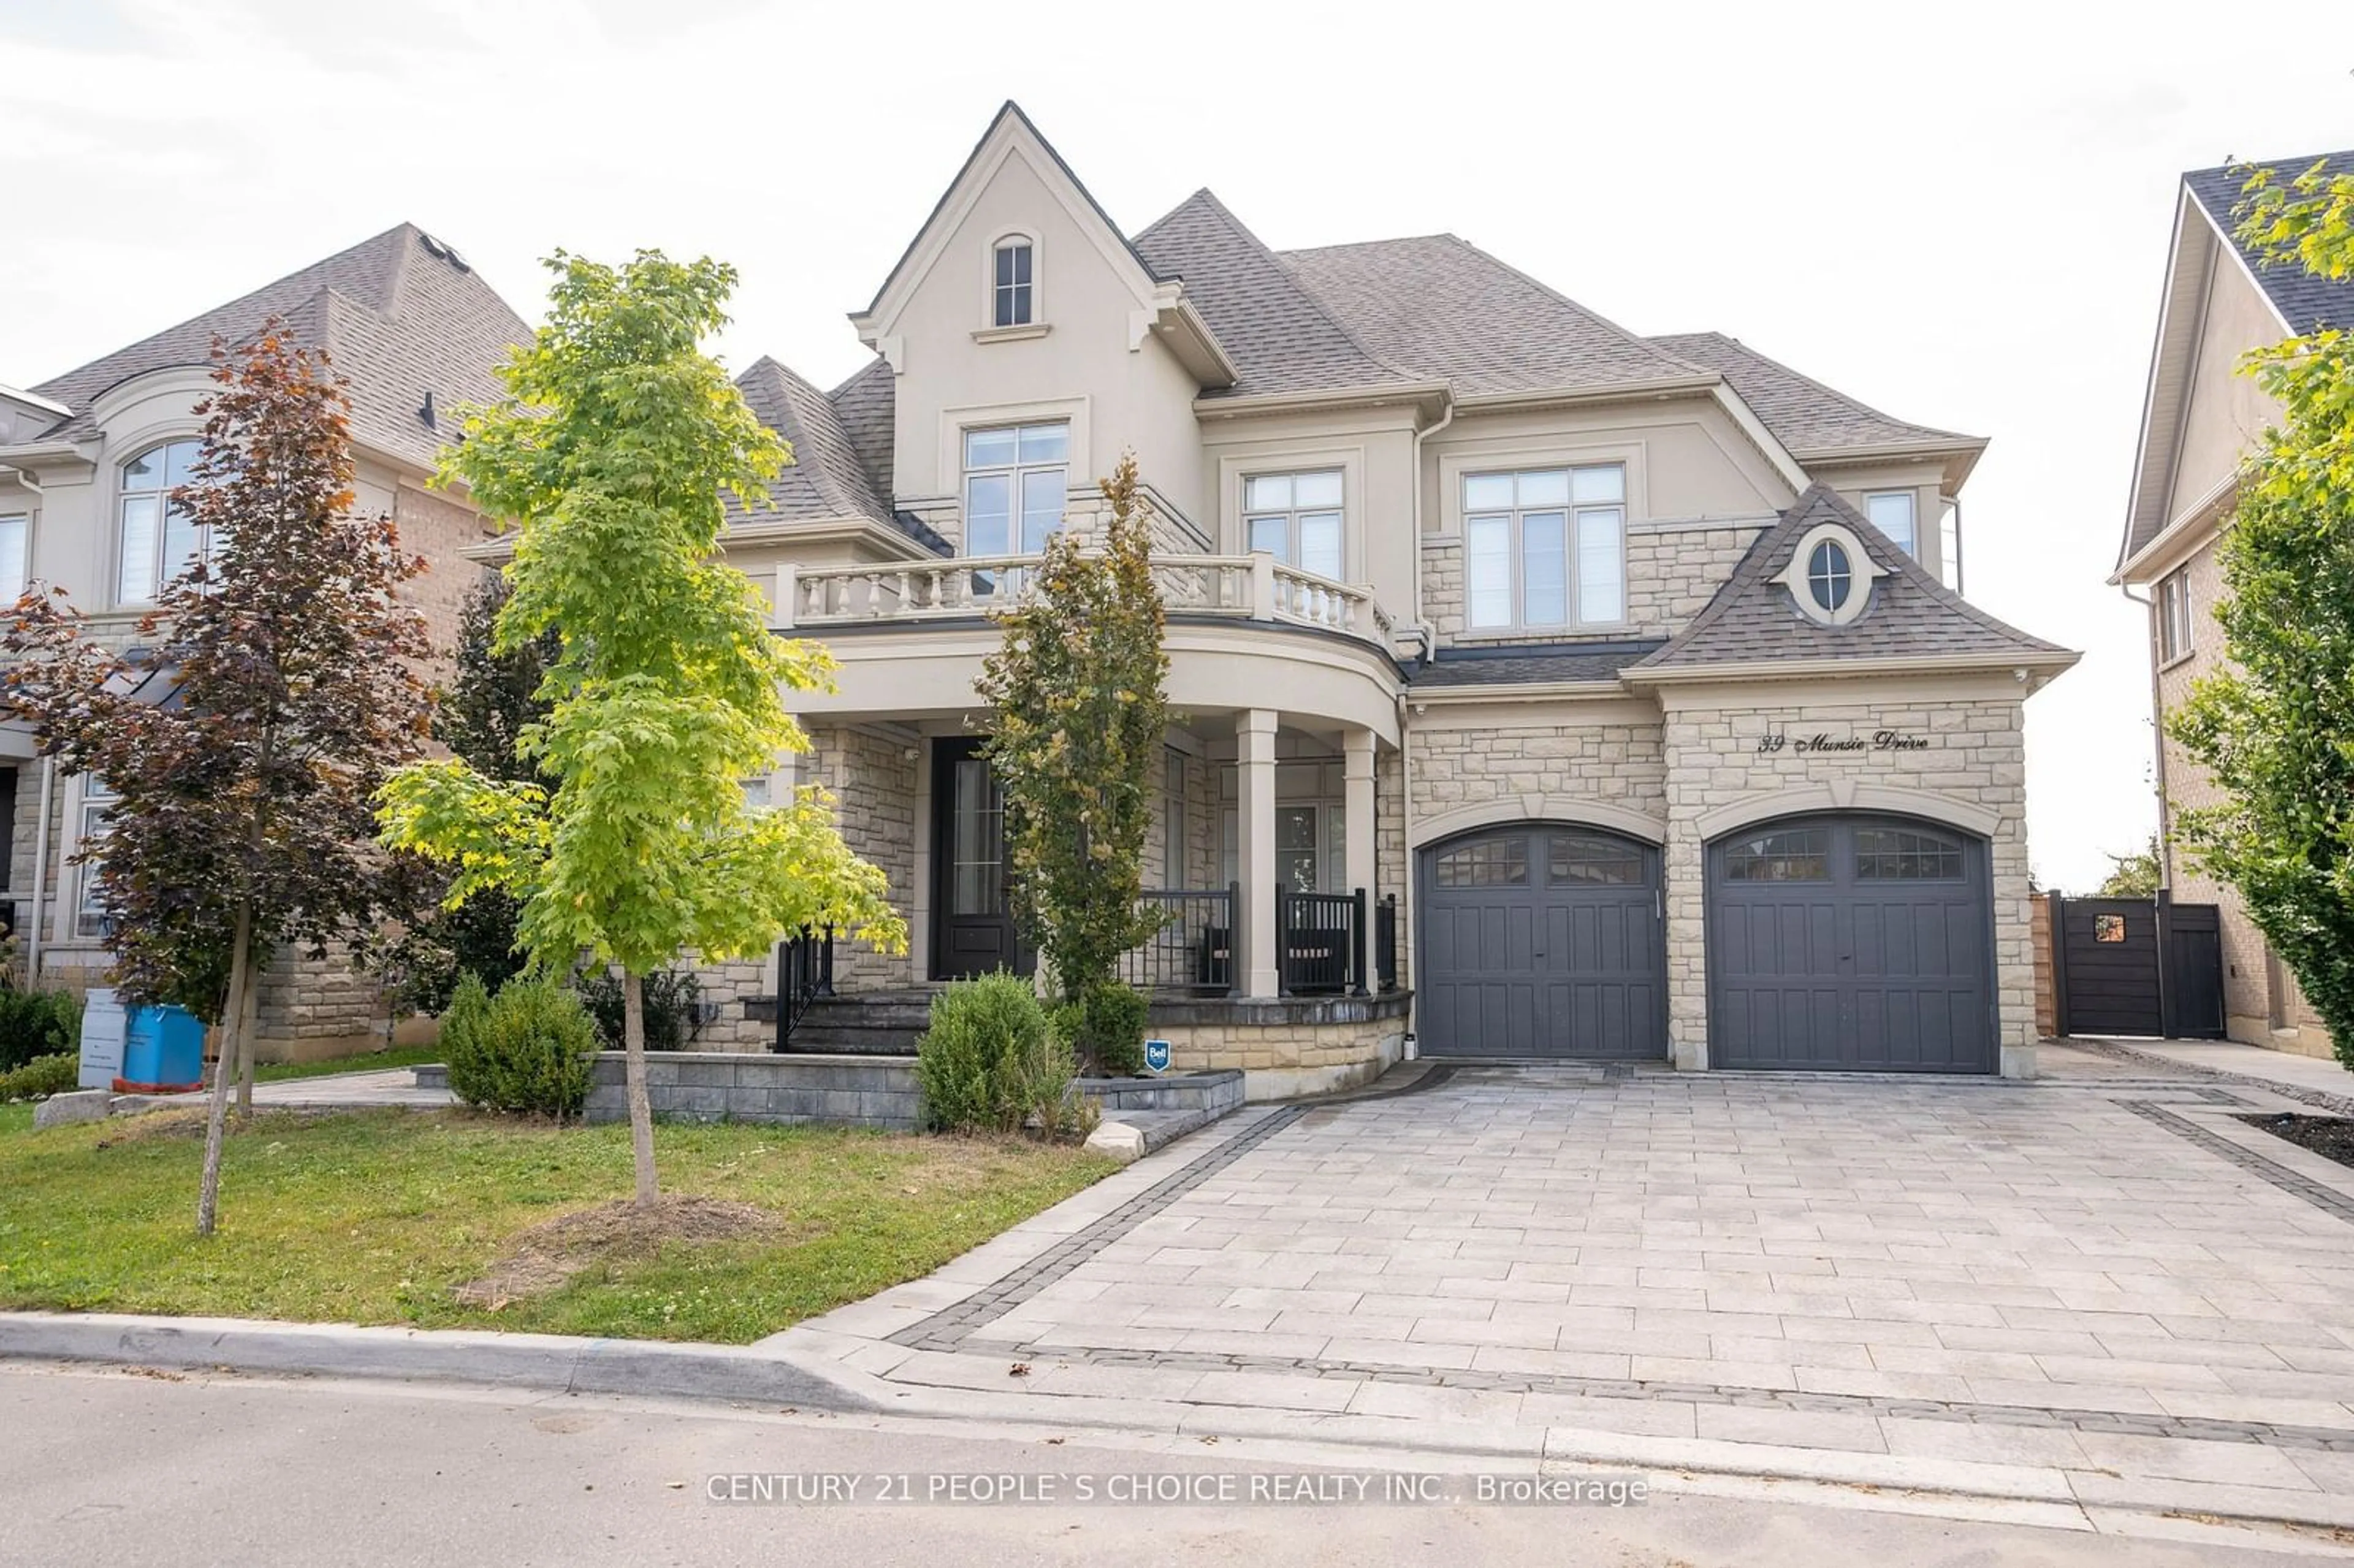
{"x":159,"y":540}
{"x":15,"y":539}
{"x":1011,"y":294}
{"x":1015,"y":479}
{"x":2174,"y":616}
{"x":1296,"y":518}
{"x":1545,"y":549}
{"x":1891,"y":513}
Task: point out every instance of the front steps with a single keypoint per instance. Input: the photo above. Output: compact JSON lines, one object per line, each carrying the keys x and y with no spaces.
{"x":866,"y":1024}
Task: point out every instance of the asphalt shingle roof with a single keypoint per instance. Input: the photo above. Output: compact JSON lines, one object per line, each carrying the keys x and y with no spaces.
{"x":865,"y":405}
{"x":1280,"y":338}
{"x":1521,"y":666}
{"x":2308,"y":303}
{"x":826,"y":476}
{"x":1444,"y":310}
{"x":1804,"y":416}
{"x":1754,"y":620}
{"x":400,"y":314}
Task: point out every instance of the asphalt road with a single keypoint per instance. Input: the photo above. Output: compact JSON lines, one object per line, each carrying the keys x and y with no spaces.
{"x":125,"y":1469}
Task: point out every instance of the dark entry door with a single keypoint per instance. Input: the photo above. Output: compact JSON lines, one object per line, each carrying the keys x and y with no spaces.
{"x":972,"y":930}
{"x":1542,"y":941}
{"x":1850,"y":943}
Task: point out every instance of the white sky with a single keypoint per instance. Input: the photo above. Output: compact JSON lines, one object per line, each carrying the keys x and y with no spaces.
{"x":1959,"y":214}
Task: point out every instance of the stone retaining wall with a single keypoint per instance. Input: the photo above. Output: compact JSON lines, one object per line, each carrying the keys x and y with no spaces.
{"x":1289,"y":1047}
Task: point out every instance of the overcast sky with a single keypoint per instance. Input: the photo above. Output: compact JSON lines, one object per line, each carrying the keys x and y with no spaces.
{"x":1961,"y":220}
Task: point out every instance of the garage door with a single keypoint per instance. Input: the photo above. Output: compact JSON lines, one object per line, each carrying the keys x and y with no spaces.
{"x":1850,"y":943}
{"x":1542,"y":941}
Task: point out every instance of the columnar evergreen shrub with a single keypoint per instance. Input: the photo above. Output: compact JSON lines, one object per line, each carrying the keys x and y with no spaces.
{"x":1111,"y":1024}
{"x":993,"y":1061}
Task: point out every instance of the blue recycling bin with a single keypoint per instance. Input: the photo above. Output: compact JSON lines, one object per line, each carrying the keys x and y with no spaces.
{"x":163,"y":1051}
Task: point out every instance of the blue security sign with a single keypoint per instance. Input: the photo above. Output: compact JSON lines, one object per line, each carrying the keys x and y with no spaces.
{"x":1156,"y":1056}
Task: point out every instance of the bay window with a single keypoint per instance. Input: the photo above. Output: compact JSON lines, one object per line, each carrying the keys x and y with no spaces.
{"x":1296,"y":518}
{"x":1891,"y":513}
{"x":1545,"y":549}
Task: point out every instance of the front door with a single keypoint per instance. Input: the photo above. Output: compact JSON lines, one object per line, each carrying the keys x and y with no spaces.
{"x":972,"y":930}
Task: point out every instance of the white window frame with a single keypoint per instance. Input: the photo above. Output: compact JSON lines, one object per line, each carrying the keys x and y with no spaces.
{"x":89,"y":911}
{"x":15,"y":554}
{"x":157,"y":553}
{"x":1290,"y":516}
{"x":1575,"y":515}
{"x":1021,"y":294}
{"x":2175,"y":639}
{"x":1017,"y":475}
{"x":1910,"y":541}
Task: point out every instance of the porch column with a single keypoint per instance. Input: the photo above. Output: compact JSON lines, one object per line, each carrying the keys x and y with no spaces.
{"x":1357,"y":811}
{"x":1254,"y":848}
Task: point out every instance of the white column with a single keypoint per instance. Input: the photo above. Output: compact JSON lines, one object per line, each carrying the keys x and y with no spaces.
{"x":1254,"y":848}
{"x":1357,"y":815}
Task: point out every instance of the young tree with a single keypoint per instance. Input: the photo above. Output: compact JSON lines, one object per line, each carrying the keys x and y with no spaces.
{"x":2134,"y":876}
{"x":246,"y":750}
{"x":2275,"y":727}
{"x":611,"y":453}
{"x":1080,"y":719}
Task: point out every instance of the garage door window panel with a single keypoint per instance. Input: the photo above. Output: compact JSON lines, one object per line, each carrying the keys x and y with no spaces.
{"x":1898,"y":854}
{"x":1495,"y":864}
{"x":1792,"y":855}
{"x":1579,"y":861}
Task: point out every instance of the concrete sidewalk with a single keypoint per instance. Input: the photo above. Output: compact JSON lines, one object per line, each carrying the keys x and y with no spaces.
{"x":2300,"y":1076}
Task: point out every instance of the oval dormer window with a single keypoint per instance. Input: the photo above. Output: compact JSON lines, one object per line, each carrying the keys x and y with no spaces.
{"x":1830,"y":577}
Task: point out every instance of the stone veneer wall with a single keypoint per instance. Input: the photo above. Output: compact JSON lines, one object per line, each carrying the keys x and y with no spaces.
{"x":874,"y":785}
{"x":1390,"y":865}
{"x":1976,"y":753}
{"x":1672,"y":571}
{"x":1620,"y":763}
{"x":1286,"y":1048}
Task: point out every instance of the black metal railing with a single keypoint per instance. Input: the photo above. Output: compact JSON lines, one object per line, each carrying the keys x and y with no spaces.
{"x":1193,"y":950}
{"x":1319,"y":942}
{"x":1385,"y":943}
{"x":804,"y":974}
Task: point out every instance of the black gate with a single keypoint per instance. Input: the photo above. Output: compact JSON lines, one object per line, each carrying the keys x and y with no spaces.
{"x":2138,"y":966}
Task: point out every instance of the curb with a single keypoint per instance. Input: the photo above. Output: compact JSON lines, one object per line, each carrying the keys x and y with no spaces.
{"x":551,"y":1363}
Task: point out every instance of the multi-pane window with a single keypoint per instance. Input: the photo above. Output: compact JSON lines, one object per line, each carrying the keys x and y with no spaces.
{"x":1891,"y":513}
{"x":1015,"y":479}
{"x":977,"y":840}
{"x":1579,"y":860}
{"x":1545,"y":548}
{"x":15,"y":534}
{"x":1900,"y":854}
{"x":2174,"y":616}
{"x":1799,"y":855}
{"x":1296,"y":518}
{"x":1830,"y":574}
{"x":160,"y":540}
{"x":1490,"y":862}
{"x":1011,"y":292}
{"x":90,"y":909}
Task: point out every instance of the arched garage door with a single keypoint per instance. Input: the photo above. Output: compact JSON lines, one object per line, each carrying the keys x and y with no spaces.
{"x":1850,"y":943}
{"x":1542,"y":941}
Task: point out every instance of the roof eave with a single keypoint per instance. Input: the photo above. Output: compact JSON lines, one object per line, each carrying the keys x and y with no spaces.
{"x":1378,"y":394}
{"x":1512,"y":691}
{"x":1960,"y":455}
{"x":2171,"y":545}
{"x":1567,"y":397}
{"x":2047,"y":663}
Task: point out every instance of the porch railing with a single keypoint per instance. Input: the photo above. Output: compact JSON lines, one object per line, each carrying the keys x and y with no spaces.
{"x":804,"y":974}
{"x":1193,"y":950}
{"x":1319,"y":942}
{"x":1246,"y":588}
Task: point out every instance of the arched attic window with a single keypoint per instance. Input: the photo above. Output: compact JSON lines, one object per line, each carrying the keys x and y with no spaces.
{"x":1014,"y":281}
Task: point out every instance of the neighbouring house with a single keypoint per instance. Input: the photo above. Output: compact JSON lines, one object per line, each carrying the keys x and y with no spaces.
{"x":86,"y":462}
{"x":1548,"y":691}
{"x":2200,"y":417}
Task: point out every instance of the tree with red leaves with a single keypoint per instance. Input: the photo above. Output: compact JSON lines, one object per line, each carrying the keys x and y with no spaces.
{"x":276,"y":683}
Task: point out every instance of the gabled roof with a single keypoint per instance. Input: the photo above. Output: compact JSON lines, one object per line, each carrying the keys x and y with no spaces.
{"x":1280,"y":336}
{"x":1809,"y":417}
{"x":401,"y":315}
{"x":1438,"y":308}
{"x":2204,"y":243}
{"x":2304,"y":301}
{"x":1912,"y":617}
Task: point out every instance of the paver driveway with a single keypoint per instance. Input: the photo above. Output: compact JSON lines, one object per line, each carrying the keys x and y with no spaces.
{"x":2102,"y":1276}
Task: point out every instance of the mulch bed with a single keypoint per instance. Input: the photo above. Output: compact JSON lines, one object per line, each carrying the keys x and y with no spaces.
{"x":2330,"y":1137}
{"x":546,"y":1257}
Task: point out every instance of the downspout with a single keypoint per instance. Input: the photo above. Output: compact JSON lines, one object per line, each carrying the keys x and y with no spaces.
{"x":2157,"y":726}
{"x":1408,"y":933}
{"x":1421,"y":629}
{"x":40,"y":875}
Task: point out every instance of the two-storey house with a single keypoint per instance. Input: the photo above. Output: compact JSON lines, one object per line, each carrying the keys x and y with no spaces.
{"x":1616,"y":674}
{"x":88,"y":460}
{"x":2199,"y":418}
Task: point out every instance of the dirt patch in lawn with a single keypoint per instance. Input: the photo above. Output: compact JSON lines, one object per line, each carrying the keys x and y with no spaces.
{"x":546,"y":1257}
{"x":2331,"y":1136}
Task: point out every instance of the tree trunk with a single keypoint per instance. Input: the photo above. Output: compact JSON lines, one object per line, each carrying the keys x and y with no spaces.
{"x":248,"y":1017}
{"x":232,"y":1024}
{"x":633,"y":1061}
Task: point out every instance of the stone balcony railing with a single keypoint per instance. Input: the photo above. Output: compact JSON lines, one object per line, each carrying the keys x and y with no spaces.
{"x":1245,"y":587}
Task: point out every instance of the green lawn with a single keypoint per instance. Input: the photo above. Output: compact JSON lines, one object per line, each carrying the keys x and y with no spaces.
{"x":373,"y":1062}
{"x":376,"y":1217}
